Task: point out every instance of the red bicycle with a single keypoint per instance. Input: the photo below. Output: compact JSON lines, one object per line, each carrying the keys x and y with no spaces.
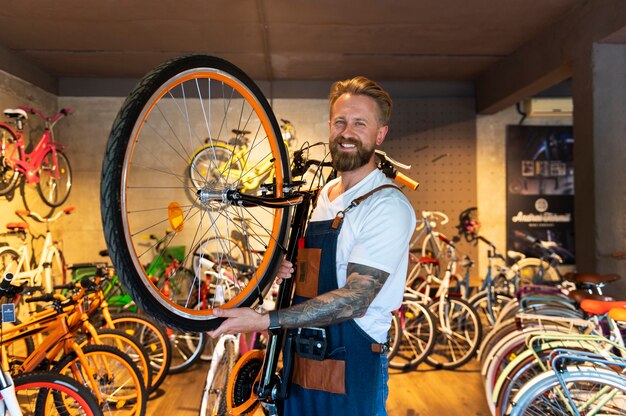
{"x":45,"y":165}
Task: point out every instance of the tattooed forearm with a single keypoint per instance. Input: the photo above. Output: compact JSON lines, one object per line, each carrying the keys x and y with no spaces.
{"x":351,"y":301}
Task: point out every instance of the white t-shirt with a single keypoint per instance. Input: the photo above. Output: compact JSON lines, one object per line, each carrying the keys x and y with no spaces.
{"x":376,"y":233}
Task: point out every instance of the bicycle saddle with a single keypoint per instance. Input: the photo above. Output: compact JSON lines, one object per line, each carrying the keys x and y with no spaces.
{"x":16,"y":113}
{"x":13,"y":226}
{"x":592,"y":278}
{"x":580,"y":295}
{"x":598,"y":307}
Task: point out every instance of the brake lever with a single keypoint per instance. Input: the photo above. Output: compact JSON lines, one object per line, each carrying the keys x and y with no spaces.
{"x":385,"y":158}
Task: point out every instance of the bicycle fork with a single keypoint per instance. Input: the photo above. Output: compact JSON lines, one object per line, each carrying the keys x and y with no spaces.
{"x":271,"y":387}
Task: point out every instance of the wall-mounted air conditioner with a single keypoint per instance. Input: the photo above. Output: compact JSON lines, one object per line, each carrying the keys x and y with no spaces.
{"x":549,"y":107}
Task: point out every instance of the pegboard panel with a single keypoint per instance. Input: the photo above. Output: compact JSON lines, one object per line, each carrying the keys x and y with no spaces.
{"x":437,"y":136}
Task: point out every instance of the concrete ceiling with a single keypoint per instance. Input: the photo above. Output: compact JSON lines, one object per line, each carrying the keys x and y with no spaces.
{"x":443,"y":40}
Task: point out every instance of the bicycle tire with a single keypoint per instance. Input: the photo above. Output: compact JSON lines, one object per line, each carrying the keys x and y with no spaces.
{"x":480,"y":304}
{"x":8,"y":149}
{"x":529,"y":271}
{"x":187,"y":348}
{"x":537,"y":396}
{"x":33,"y":388}
{"x":54,"y":192}
{"x":412,"y":342}
{"x":125,"y":392}
{"x":9,"y":258}
{"x":153,"y":337}
{"x":214,"y":393}
{"x":58,"y":267}
{"x":138,"y":160}
{"x":200,"y":168}
{"x":464,"y":321}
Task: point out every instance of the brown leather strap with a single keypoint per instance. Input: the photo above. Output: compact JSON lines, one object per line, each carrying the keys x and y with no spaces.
{"x":339,"y":217}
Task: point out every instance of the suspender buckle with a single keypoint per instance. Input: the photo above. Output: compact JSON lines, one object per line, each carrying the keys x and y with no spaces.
{"x":311,"y":343}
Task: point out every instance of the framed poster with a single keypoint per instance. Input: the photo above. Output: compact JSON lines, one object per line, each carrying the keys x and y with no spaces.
{"x":540,"y":189}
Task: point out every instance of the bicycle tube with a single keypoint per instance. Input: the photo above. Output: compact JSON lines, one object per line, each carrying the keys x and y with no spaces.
{"x":146,"y":155}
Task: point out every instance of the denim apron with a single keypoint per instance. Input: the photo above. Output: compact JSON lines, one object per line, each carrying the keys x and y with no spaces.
{"x":345,"y":382}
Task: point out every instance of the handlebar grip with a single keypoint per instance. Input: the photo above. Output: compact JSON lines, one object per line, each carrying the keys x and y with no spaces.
{"x":43,"y":298}
{"x":402,"y":179}
{"x":444,"y":239}
{"x":22,"y":212}
{"x":6,"y":283}
{"x":68,"y":286}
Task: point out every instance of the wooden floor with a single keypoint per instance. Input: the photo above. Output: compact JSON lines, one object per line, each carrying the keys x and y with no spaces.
{"x":423,"y":392}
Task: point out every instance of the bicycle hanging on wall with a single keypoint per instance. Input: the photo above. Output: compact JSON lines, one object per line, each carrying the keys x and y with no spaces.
{"x":170,"y":113}
{"x":45,"y":166}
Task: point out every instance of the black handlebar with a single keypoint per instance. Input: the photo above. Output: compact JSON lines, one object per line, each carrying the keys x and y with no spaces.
{"x":6,"y":283}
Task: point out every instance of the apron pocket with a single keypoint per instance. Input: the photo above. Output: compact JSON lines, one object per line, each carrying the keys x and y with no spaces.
{"x":328,"y":375}
{"x":308,"y":271}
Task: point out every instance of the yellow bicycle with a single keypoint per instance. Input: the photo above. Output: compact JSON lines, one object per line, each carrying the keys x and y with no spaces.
{"x":237,"y":161}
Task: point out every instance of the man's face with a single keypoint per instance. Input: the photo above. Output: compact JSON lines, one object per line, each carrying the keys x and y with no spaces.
{"x":354,"y":131}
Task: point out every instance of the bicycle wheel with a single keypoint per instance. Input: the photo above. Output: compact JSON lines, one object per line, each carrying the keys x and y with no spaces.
{"x":187,"y":348}
{"x":8,"y":150}
{"x":480,"y":303}
{"x":593,"y":391}
{"x":459,"y":334}
{"x":537,"y":271}
{"x":55,"y":179}
{"x":212,"y":162}
{"x":412,"y":335}
{"x":153,"y":337}
{"x":215,"y":252}
{"x":214,"y":392}
{"x":167,"y":116}
{"x":58,"y":268}
{"x":9,"y":259}
{"x":130,"y":346}
{"x":118,"y":379}
{"x":45,"y":394}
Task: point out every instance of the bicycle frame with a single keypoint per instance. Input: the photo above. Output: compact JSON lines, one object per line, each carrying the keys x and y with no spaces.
{"x":42,"y":274}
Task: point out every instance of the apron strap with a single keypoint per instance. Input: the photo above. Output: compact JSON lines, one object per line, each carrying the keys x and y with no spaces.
{"x":339,"y":217}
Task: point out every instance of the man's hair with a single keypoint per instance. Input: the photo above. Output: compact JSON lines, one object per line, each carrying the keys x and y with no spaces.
{"x":364,"y":86}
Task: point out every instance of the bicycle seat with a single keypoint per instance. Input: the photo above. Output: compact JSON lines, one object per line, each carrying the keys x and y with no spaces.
{"x":17,"y":226}
{"x":16,"y":113}
{"x":619,"y":314}
{"x":592,"y":278}
{"x":580,"y":295}
{"x":598,"y":307}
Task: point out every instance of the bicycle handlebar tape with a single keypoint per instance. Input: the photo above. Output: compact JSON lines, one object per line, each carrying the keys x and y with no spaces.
{"x":6,"y":282}
{"x":402,"y":179}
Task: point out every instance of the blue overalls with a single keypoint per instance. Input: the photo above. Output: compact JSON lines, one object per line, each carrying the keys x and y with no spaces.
{"x":345,"y":382}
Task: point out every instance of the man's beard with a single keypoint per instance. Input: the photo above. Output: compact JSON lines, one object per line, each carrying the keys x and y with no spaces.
{"x":348,"y":161}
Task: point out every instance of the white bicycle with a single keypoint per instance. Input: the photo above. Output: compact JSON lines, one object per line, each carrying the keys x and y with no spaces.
{"x":49,"y":270}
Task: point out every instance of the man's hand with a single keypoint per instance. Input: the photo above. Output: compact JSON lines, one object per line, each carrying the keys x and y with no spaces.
{"x":284,"y":271}
{"x":238,"y":320}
